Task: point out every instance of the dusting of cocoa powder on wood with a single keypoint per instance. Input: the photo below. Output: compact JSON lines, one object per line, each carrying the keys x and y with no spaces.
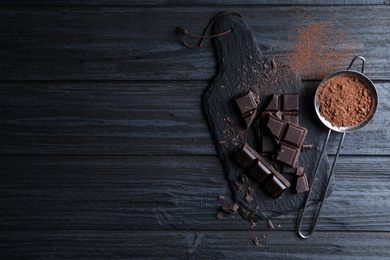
{"x":344,"y":101}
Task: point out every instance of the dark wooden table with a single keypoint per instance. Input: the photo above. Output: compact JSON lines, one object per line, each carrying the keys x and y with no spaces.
{"x":105,"y":151}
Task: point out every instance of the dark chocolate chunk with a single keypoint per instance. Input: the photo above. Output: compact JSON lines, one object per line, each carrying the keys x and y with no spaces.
{"x":268,"y":145}
{"x":260,"y":172}
{"x":284,"y":168}
{"x":294,"y":135}
{"x":308,"y":147}
{"x":276,"y":126}
{"x":302,"y":184}
{"x":230,"y":208}
{"x":274,"y":104}
{"x":263,"y":171}
{"x":247,"y":105}
{"x":288,"y":154}
{"x":275,"y":186}
{"x":291,"y":118}
{"x":300,"y":171}
{"x":270,"y":224}
{"x":291,"y":102}
{"x":245,"y":157}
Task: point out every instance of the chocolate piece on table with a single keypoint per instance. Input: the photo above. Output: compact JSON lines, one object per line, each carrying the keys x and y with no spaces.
{"x":276,"y":126}
{"x":294,"y":135}
{"x":245,"y":157}
{"x":288,"y":154}
{"x":275,"y":186}
{"x":291,"y":102}
{"x":247,"y":105}
{"x":302,"y":184}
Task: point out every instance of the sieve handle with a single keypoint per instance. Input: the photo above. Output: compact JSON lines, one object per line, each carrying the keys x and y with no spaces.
{"x":326,"y":188}
{"x":355,"y":58}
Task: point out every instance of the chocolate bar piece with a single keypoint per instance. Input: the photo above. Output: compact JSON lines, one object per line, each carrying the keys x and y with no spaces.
{"x":288,"y":154}
{"x":291,"y":102}
{"x":245,"y":157}
{"x":262,"y":170}
{"x":268,"y":145}
{"x":294,"y":134}
{"x":276,"y":126}
{"x":275,"y":187}
{"x":285,"y":107}
{"x":247,"y":105}
{"x":302,"y":184}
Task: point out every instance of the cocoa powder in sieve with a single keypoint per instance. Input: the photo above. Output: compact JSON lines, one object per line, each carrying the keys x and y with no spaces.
{"x":344,"y":100}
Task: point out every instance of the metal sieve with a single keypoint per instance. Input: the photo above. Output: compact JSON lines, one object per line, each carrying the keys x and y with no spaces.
{"x":343,"y":130}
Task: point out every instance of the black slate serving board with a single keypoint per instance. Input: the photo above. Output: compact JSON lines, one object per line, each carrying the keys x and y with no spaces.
{"x":242,"y":67}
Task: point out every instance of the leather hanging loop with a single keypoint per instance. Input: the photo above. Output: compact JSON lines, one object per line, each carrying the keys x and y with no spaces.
{"x":205,"y":36}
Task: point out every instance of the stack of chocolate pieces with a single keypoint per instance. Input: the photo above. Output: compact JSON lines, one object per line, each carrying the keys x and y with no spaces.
{"x":282,"y":139}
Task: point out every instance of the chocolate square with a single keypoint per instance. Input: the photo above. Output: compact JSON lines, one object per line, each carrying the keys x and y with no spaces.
{"x":291,"y":118}
{"x":275,"y":187}
{"x":245,"y":157}
{"x":268,"y":145}
{"x":294,"y":135}
{"x":302,"y":184}
{"x":291,"y":102}
{"x":260,"y":172}
{"x":274,"y":104}
{"x":288,"y":154}
{"x":246,"y":103}
{"x":276,"y":126}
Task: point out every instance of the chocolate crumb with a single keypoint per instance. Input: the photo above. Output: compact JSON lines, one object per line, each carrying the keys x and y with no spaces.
{"x":239,"y":186}
{"x":279,"y":226}
{"x":248,"y":197}
{"x":270,"y":225}
{"x":255,"y":240}
{"x":263,"y":236}
{"x":194,"y":139}
{"x":244,"y":179}
{"x":220,"y":215}
{"x":253,"y":224}
{"x":307,"y":147}
{"x":230,"y":208}
{"x":221,"y":197}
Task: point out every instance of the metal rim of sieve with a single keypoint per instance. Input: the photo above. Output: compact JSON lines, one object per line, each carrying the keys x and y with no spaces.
{"x":370,"y":86}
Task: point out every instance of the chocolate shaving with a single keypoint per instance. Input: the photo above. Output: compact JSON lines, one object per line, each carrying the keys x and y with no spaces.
{"x":270,"y":225}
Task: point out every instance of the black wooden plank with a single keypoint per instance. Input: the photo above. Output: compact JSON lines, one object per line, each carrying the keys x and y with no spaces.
{"x":192,"y":245}
{"x":225,"y":3}
{"x":155,"y":192}
{"x":141,"y":43}
{"x":134,"y":118}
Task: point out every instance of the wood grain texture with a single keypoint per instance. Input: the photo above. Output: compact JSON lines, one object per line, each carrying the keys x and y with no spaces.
{"x":192,"y":245}
{"x":134,"y":119}
{"x":225,"y":3}
{"x":141,"y":43}
{"x":168,"y":193}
